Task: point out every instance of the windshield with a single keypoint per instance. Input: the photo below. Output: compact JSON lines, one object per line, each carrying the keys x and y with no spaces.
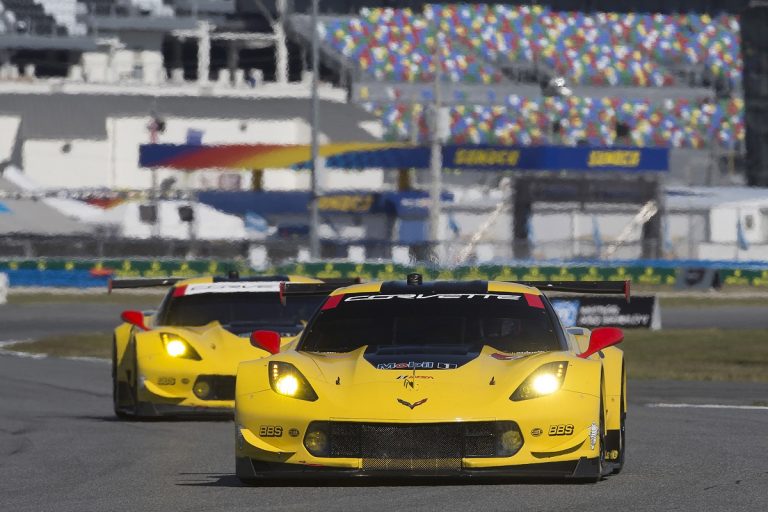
{"x":241,"y":312}
{"x":438,"y":324}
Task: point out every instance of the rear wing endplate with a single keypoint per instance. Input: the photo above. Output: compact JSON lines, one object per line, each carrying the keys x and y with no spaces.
{"x":583,"y":287}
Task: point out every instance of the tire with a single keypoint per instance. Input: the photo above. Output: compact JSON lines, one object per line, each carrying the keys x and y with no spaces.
{"x":619,"y":464}
{"x":138,"y":409}
{"x":601,"y":440}
{"x":117,"y":399}
{"x":595,"y":474}
{"x":244,"y":471}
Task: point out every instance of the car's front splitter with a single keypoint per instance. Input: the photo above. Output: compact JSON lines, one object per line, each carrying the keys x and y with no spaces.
{"x":152,"y":410}
{"x":582,"y":469}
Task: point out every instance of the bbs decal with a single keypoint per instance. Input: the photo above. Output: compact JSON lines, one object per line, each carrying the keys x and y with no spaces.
{"x":270,"y":431}
{"x":421,"y":296}
{"x":560,"y":430}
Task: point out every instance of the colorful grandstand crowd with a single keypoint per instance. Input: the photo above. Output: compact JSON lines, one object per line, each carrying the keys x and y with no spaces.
{"x":474,"y":43}
{"x":577,"y":120}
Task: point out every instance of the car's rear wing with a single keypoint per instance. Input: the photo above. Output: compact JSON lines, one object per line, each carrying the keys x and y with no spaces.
{"x":583,"y":287}
{"x":115,"y":284}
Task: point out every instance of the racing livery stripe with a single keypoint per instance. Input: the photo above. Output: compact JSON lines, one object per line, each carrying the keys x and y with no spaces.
{"x":332,"y":302}
{"x":179,"y":291}
{"x":534,"y":300}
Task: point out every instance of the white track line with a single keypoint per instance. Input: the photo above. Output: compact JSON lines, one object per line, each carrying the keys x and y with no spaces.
{"x":710,"y":406}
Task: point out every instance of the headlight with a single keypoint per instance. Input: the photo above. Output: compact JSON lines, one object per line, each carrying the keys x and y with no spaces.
{"x":545,"y":380}
{"x":285,"y":379}
{"x":176,"y":346}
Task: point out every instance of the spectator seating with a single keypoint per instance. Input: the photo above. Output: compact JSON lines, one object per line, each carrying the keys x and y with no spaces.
{"x":587,"y":48}
{"x":396,"y":45}
{"x":675,"y":123}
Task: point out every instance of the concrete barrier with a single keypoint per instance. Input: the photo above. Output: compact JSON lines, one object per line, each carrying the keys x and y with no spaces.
{"x":3,"y":288}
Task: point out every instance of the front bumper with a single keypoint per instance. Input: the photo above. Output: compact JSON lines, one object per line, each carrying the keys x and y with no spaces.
{"x":181,"y":393}
{"x":555,"y":429}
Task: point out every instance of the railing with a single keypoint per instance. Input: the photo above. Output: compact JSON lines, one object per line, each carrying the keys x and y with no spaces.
{"x":265,"y":253}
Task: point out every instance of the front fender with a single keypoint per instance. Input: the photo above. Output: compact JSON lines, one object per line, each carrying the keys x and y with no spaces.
{"x":613,"y":366}
{"x":122,"y":337}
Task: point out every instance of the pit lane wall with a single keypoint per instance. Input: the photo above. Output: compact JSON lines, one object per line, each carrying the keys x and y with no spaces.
{"x":657,"y":273}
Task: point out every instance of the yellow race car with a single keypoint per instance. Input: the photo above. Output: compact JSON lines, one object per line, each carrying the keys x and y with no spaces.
{"x":445,"y":378}
{"x":183,"y":357}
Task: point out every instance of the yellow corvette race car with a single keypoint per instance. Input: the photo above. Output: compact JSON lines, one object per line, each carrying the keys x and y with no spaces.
{"x":444,"y":378}
{"x":183,"y":357}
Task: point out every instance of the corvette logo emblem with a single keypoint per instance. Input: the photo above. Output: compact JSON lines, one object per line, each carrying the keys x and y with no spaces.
{"x":411,"y":405}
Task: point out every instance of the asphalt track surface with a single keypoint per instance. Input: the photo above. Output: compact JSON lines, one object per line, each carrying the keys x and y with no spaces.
{"x":62,"y":450}
{"x":31,"y":321}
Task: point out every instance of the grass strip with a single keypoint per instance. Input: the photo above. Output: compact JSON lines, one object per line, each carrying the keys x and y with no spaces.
{"x":697,"y":354}
{"x":707,"y":301}
{"x":684,"y":354}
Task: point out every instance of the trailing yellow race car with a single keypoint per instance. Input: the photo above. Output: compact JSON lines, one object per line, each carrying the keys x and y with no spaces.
{"x":445,"y":378}
{"x":183,"y":357}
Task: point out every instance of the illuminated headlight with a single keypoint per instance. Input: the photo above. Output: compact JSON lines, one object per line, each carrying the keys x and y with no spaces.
{"x":176,"y":346}
{"x":545,"y":384}
{"x":287,"y":385}
{"x":285,"y":379}
{"x":546,"y":380}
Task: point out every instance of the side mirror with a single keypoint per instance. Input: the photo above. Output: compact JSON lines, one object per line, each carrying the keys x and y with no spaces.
{"x":135,"y":318}
{"x":266,"y":340}
{"x":602,"y":337}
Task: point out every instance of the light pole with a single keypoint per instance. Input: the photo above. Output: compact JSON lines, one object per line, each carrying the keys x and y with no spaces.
{"x":436,"y":158}
{"x":314,"y":213}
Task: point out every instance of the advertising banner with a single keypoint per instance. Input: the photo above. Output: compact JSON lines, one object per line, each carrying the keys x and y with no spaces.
{"x":397,"y":155}
{"x":95,"y":272}
{"x":601,"y":311}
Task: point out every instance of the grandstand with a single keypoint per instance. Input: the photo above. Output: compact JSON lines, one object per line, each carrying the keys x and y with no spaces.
{"x":678,"y":76}
{"x":81,"y":80}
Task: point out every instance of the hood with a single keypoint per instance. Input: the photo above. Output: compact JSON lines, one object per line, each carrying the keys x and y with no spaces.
{"x":352,"y":387}
{"x":221,"y":349}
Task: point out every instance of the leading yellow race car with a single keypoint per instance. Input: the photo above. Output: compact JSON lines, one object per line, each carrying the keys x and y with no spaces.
{"x":445,"y":378}
{"x":182,"y":358}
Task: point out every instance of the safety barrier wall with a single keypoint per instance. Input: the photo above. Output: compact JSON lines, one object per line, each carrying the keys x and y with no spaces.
{"x":91,"y":273}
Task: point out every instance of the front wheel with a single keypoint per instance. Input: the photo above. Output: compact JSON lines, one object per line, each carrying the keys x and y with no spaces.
{"x":601,"y":439}
{"x":622,"y":444}
{"x":118,"y":394}
{"x":594,"y":469}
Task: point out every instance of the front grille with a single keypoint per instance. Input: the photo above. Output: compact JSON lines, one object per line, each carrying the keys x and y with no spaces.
{"x":418,"y":465}
{"x":416,"y":446}
{"x":222,"y":386}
